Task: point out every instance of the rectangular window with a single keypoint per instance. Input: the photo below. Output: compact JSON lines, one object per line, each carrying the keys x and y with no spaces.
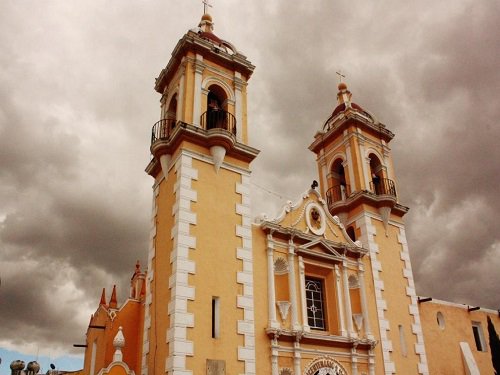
{"x":315,"y":304}
{"x":478,"y":336}
{"x":215,"y":318}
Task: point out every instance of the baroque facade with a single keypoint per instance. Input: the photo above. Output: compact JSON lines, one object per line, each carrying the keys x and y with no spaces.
{"x":326,"y":287}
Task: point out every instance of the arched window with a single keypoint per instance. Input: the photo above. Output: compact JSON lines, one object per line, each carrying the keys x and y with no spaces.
{"x":339,"y":190}
{"x":379,"y":183}
{"x":376,"y":174}
{"x":169,"y":118}
{"x":217,"y":115}
{"x":315,"y":304}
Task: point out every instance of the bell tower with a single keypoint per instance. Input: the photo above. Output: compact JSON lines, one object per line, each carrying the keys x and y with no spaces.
{"x":357,"y":178}
{"x":199,"y":295}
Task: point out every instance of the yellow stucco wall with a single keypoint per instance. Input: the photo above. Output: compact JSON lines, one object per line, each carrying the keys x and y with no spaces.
{"x":216,"y":268}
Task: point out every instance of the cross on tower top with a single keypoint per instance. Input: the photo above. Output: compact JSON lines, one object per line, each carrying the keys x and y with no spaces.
{"x":206,"y":4}
{"x":339,"y":73}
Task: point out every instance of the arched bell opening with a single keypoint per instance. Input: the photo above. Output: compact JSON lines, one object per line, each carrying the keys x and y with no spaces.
{"x":217,"y":115}
{"x":163,"y":128}
{"x":380,"y":184}
{"x":339,"y":190}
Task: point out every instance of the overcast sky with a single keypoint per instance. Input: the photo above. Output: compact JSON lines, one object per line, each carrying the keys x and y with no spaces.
{"x":77,"y":105}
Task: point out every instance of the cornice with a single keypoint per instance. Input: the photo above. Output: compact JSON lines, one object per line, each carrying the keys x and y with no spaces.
{"x":202,"y":137}
{"x":192,"y":42}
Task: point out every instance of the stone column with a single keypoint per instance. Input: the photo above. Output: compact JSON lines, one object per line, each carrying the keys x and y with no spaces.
{"x":292,"y":286}
{"x":350,"y":166}
{"x":271,"y":298}
{"x":180,"y":99}
{"x":340,"y":304}
{"x":238,"y":105}
{"x":199,"y":66}
{"x":347,"y":301}
{"x":364,"y":305}
{"x":303,"y":301}
{"x":296,"y":358}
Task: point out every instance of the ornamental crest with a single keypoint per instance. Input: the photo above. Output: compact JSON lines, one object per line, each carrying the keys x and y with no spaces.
{"x":325,"y":366}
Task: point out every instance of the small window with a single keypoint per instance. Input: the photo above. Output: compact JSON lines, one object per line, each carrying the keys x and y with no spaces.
{"x":440,"y":319}
{"x":478,"y":336}
{"x":402,"y":341}
{"x":215,"y":318}
{"x":315,"y":304}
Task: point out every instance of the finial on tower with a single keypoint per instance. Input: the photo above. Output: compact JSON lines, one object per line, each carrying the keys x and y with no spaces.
{"x":206,"y":24}
{"x":339,"y":73}
{"x":206,"y":4}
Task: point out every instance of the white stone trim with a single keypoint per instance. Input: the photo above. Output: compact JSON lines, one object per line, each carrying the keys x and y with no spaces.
{"x":368,"y":231}
{"x":340,"y":301}
{"x":180,"y":290}
{"x":149,"y":280}
{"x":352,"y":180}
{"x":292,"y":286}
{"x":413,"y":307}
{"x":246,"y":326}
{"x":211,"y":80}
{"x":180,"y":99}
{"x":199,"y":66}
{"x":364,"y":305}
{"x":303,"y":299}
{"x":347,"y":300}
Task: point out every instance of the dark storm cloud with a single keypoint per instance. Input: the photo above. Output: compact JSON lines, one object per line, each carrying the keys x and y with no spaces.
{"x":77,"y":105}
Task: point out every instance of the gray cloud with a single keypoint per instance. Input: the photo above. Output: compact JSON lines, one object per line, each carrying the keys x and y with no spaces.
{"x":77,"y":104}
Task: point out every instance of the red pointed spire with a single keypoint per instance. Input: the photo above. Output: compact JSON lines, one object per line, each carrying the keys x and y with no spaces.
{"x":103,"y":297}
{"x":113,"y":303}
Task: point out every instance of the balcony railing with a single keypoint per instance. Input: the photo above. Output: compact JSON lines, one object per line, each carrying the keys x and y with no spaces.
{"x":218,"y":119}
{"x":337,"y":193}
{"x":383,"y":186}
{"x":162,"y":129}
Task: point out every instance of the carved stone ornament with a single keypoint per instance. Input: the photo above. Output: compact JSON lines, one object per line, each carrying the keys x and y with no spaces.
{"x":358,"y":321}
{"x":325,"y":366}
{"x":280,"y":266}
{"x":286,"y":371}
{"x":283,"y":306}
{"x":315,"y":218}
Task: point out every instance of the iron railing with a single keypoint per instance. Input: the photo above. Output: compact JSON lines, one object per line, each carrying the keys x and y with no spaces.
{"x":383,"y":186}
{"x":162,"y":129}
{"x":337,"y":193}
{"x":218,"y":119}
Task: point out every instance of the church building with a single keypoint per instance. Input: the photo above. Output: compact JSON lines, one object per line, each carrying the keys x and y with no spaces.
{"x":324,"y":288}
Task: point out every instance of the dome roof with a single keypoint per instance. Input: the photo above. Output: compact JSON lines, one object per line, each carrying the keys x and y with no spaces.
{"x":206,"y":17}
{"x":342,"y":107}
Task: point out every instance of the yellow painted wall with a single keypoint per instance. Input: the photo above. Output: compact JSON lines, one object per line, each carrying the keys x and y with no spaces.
{"x":216,"y":268}
{"x":394,"y":294}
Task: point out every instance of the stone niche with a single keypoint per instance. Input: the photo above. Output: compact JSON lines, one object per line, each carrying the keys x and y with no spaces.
{"x":216,"y":367}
